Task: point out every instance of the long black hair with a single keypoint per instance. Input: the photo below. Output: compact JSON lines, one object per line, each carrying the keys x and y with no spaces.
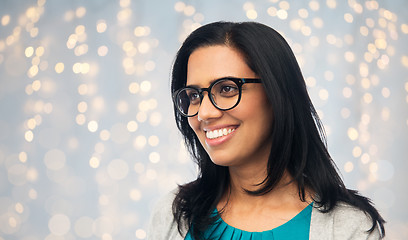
{"x":299,"y":142}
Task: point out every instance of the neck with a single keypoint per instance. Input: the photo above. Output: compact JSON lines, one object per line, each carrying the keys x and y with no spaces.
{"x":285,"y":191}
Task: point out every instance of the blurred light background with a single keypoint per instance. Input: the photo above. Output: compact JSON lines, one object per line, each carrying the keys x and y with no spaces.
{"x":87,"y":137}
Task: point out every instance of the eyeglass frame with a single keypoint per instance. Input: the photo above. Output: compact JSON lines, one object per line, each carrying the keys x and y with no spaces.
{"x":238,"y":81}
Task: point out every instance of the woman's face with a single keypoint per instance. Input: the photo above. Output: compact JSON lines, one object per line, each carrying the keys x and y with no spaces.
{"x":248,"y":126}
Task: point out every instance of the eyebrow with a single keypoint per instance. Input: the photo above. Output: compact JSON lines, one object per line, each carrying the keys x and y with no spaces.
{"x":211,"y":82}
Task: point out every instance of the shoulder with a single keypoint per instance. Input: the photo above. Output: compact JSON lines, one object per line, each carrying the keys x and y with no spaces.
{"x":343,"y":222}
{"x":162,"y":225}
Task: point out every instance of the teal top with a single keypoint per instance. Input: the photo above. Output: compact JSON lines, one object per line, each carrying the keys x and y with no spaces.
{"x":295,"y":229}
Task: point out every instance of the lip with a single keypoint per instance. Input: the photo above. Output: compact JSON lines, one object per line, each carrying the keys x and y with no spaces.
{"x":220,"y":140}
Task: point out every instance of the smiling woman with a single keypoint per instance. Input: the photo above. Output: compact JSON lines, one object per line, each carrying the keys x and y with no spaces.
{"x":264,"y":171}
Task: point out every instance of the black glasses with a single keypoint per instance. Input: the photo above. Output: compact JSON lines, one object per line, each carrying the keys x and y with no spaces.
{"x":224,"y":94}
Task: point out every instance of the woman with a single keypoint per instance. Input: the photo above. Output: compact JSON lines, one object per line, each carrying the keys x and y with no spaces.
{"x":264,"y":171}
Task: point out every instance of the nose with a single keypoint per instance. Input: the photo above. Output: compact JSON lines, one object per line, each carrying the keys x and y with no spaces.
{"x":207,"y":110}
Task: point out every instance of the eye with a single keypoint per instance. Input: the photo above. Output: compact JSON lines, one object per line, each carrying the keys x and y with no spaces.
{"x":194,"y":97}
{"x":226,"y":89}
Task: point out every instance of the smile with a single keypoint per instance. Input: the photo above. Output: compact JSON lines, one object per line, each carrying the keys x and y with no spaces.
{"x":219,"y":133}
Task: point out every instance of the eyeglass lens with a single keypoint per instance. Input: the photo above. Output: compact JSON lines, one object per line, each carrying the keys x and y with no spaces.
{"x":224,"y":95}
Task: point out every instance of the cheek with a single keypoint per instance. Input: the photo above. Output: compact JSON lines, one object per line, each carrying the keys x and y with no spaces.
{"x":193,"y":122}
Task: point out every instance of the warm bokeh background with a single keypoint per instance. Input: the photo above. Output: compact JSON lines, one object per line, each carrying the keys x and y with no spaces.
{"x":87,"y":137}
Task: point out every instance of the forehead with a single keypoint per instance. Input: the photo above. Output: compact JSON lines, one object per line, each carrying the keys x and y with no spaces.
{"x":209,"y":63}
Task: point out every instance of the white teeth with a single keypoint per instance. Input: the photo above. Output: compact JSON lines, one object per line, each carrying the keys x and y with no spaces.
{"x":218,"y":133}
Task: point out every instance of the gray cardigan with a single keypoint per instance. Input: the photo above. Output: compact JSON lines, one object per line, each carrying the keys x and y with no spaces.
{"x":344,"y":222}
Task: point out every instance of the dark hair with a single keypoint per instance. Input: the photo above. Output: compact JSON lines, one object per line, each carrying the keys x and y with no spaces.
{"x":299,"y":142}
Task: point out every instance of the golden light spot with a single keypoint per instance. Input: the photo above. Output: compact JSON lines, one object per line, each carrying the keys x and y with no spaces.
{"x":348,"y":166}
{"x":101,"y":26}
{"x":372,"y":5}
{"x":352,"y":134}
{"x":331,"y":39}
{"x":347,"y":92}
{"x":307,"y":31}
{"x":272,"y":11}
{"x":82,"y":107}
{"x":36,"y":85}
{"x":385,"y":114}
{"x":381,"y":43}
{"x":314,"y":5}
{"x":373,"y":167}
{"x":135,"y":195}
{"x":154,"y":157}
{"x":282,"y":14}
{"x":386,"y":92}
{"x":83,"y":89}
{"x":92,"y":126}
{"x":349,"y":56}
{"x":143,"y":47}
{"x":139,"y":142}
{"x":31,"y":123}
{"x":132,"y":126}
{"x":365,"y":119}
{"x":102,"y":51}
{"x":59,"y":67}
{"x":94,"y":162}
{"x":19,"y":208}
{"x":141,"y":117}
{"x":124,"y":3}
{"x":29,"y":136}
{"x":145,"y":86}
{"x":22,"y":156}
{"x":40,"y":51}
{"x":29,"y":51}
{"x":367,"y":98}
{"x":48,"y":108}
{"x":365,"y":83}
{"x":155,"y":119}
{"x":248,"y":6}
{"x":81,"y":50}
{"x":122,"y":107}
{"x":404,"y":61}
{"x":331,"y":3}
{"x":141,"y":234}
{"x":36,"y":60}
{"x":251,"y":14}
{"x":363,"y":70}
{"x":382,"y":22}
{"x":80,"y":12}
{"x":124,"y":14}
{"x":303,"y":13}
{"x":370,"y":22}
{"x":404,"y":28}
{"x":153,"y":141}
{"x":134,"y":87}
{"x":80,"y":119}
{"x":29,"y":89}
{"x":406,"y":86}
{"x":5,"y":20}
{"x":179,"y":6}
{"x":284,"y":5}
{"x":189,"y":10}
{"x":348,"y":17}
{"x":364,"y":30}
{"x":318,"y":22}
{"x":368,"y":57}
{"x":357,"y":151}
{"x":324,"y":94}
{"x":310,"y":81}
{"x":104,"y":135}
{"x":139,"y":31}
{"x":33,"y":71}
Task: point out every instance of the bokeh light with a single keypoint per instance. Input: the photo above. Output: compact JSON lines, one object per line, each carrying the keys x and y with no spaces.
{"x":88,"y":141}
